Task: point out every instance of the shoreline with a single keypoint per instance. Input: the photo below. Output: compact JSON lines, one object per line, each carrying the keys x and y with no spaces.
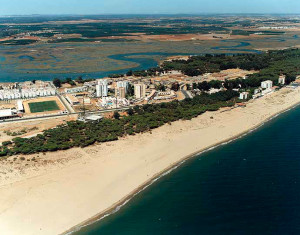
{"x":102,"y":178}
{"x":117,"y":206}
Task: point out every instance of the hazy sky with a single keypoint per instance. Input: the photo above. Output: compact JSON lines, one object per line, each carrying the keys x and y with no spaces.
{"x":10,"y":7}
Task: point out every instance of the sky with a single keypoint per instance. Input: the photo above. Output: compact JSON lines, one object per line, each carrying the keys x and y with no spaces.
{"x":27,"y":7}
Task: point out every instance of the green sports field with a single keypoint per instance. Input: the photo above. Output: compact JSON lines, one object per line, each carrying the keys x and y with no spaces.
{"x":45,"y":106}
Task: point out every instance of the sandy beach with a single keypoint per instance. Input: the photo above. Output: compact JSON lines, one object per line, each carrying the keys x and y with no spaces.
{"x":57,"y":191}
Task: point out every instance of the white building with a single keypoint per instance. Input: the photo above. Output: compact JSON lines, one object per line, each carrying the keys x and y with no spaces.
{"x":120,"y":92}
{"x":124,"y":84}
{"x":26,"y":93}
{"x":267,"y":84}
{"x":73,"y":100}
{"x":139,"y":91}
{"x":75,"y":89}
{"x":281,"y":80}
{"x":244,"y":95}
{"x":111,"y":102}
{"x":20,"y":106}
{"x":102,"y":88}
{"x":8,"y":113}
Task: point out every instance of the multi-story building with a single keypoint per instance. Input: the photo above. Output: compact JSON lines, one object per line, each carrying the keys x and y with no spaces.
{"x":139,"y":91}
{"x":102,"y":88}
{"x":124,"y":84}
{"x":120,"y":92}
{"x":267,"y":84}
{"x":244,"y":95}
{"x":75,"y":89}
{"x":26,"y":93}
{"x":281,"y":80}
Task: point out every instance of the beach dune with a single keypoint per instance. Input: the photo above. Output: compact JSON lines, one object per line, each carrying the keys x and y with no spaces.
{"x":53,"y":199}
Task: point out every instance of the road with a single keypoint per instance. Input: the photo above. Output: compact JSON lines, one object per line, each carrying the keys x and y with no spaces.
{"x":187,"y":94}
{"x":61,"y":115}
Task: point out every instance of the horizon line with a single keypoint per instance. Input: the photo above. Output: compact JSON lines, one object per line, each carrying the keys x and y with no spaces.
{"x":146,"y":14}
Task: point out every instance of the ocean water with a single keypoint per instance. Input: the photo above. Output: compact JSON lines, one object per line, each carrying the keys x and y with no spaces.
{"x":249,"y":186}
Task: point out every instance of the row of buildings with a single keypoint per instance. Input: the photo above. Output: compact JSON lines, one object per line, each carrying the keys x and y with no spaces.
{"x":12,"y":113}
{"x":26,"y":93}
{"x":26,"y":90}
{"x":265,"y":88}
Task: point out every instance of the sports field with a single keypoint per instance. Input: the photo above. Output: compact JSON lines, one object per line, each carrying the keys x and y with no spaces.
{"x":39,"y":107}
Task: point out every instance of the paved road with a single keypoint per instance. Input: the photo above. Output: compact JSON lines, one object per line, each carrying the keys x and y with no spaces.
{"x":187,"y":94}
{"x":65,"y":103}
{"x":60,"y":115}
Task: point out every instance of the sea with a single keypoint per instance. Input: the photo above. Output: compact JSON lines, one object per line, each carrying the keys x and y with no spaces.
{"x":249,"y":186}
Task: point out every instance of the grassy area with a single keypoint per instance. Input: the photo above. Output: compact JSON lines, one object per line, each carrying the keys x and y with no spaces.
{"x":45,"y":106}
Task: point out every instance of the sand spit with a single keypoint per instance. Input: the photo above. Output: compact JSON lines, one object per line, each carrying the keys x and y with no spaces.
{"x":63,"y":189}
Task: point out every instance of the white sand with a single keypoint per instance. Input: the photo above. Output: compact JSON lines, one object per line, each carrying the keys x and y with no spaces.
{"x":53,"y":198}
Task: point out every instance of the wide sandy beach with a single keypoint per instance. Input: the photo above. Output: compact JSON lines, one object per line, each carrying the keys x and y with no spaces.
{"x":64,"y":189}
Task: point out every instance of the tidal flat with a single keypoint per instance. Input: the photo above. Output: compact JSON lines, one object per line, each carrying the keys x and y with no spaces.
{"x":99,"y":59}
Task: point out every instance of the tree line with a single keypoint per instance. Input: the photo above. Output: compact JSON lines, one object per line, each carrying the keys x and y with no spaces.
{"x":138,"y":120}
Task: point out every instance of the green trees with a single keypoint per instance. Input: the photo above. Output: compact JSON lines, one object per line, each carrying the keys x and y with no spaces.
{"x":130,"y":112}
{"x":79,"y":80}
{"x":130,"y":90}
{"x":140,"y":119}
{"x":117,"y":115}
{"x":161,"y":87}
{"x":69,"y":81}
{"x":57,"y":82}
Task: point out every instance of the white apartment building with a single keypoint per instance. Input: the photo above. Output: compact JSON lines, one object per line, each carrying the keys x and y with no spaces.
{"x":120,"y":92}
{"x":124,"y":84}
{"x":139,"y":91}
{"x":281,"y":80}
{"x":244,"y":95}
{"x":111,"y":102}
{"x":267,"y":84}
{"x":75,"y":89}
{"x":25,"y":93}
{"x":102,"y":88}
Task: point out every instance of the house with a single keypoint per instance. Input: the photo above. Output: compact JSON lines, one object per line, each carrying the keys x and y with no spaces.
{"x":267,"y":84}
{"x":281,"y":80}
{"x":244,"y":95}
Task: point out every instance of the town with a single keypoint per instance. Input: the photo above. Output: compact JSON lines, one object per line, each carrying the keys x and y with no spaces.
{"x":90,"y":100}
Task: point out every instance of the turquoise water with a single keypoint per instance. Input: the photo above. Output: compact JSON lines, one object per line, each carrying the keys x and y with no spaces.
{"x":249,"y":186}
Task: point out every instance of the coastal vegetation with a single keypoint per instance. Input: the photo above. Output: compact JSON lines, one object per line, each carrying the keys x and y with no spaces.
{"x":139,"y":119}
{"x":270,"y":65}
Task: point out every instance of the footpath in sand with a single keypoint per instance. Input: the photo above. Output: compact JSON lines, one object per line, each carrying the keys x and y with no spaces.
{"x":64,"y":189}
